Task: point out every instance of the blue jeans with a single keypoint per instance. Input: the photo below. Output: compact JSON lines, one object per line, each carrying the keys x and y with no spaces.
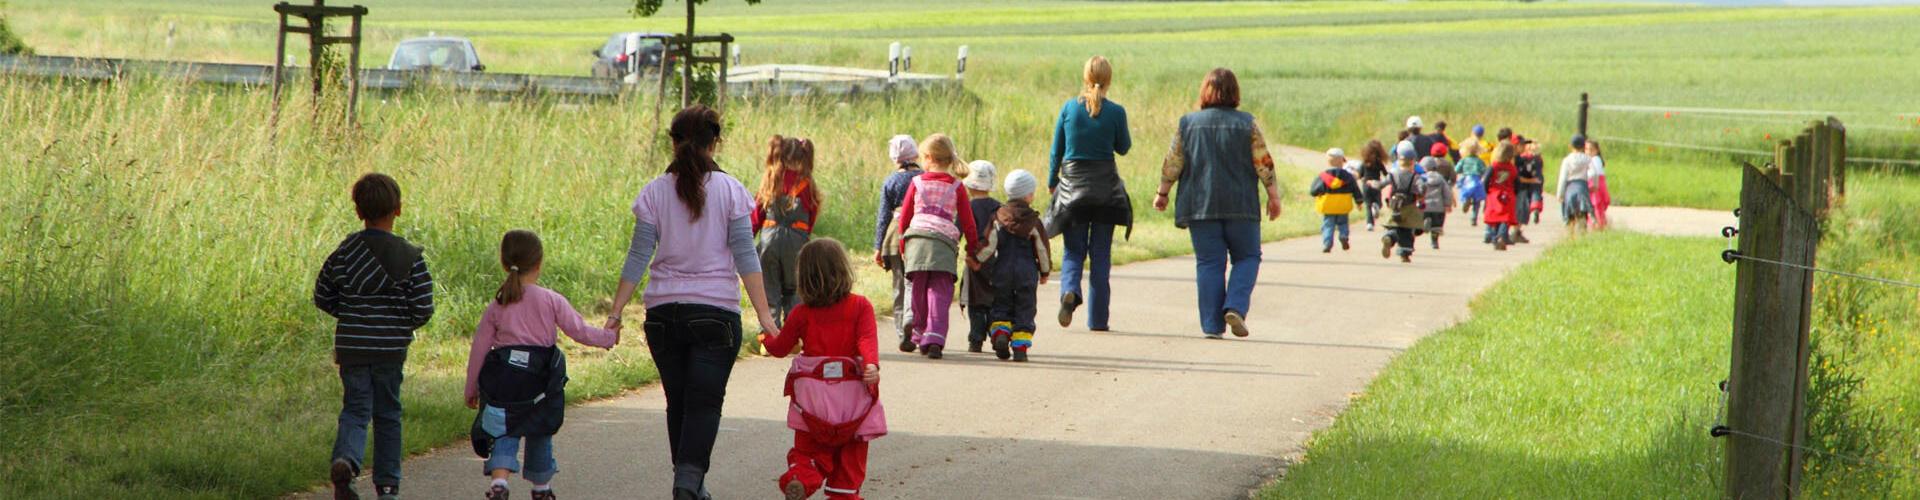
{"x":1495,"y":232}
{"x":540,"y":463}
{"x":371,"y":394}
{"x":1215,"y":243}
{"x":1089,"y":247}
{"x":1328,"y":225}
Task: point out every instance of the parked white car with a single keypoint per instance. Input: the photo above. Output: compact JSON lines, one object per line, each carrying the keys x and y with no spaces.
{"x":439,"y":53}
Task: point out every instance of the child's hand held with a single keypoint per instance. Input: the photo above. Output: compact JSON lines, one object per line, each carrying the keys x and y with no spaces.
{"x":871,"y":375}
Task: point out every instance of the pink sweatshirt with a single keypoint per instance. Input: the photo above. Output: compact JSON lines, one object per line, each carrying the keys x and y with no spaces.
{"x":531,"y":321}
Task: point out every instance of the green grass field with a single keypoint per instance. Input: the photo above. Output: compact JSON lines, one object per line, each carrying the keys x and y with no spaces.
{"x":156,"y":279}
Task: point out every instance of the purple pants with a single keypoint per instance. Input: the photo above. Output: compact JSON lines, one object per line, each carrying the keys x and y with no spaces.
{"x":932,"y":297}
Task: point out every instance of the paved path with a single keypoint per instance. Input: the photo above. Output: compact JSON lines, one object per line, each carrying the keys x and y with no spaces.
{"x":1150,"y":410}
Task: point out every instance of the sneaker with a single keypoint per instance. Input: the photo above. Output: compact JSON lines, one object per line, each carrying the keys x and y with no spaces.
{"x":1001,"y":343}
{"x":1369,"y":227}
{"x":794,"y":490}
{"x":1386,"y":247}
{"x":1519,"y":238}
{"x":1099,"y":329}
{"x":1068,"y":303}
{"x":1214,"y":336}
{"x":388,"y":492}
{"x":1406,"y":259}
{"x":342,"y":476}
{"x":907,"y":345}
{"x":1436,"y":245}
{"x":545,"y":495}
{"x":498,"y":493}
{"x":1019,"y":356}
{"x":975,"y":346}
{"x":1237,"y":323}
{"x":933,"y":351}
{"x":1499,"y":245}
{"x":1326,"y":249}
{"x":1344,"y":246}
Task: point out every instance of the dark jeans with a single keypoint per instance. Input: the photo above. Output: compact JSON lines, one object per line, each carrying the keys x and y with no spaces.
{"x":694,"y":347}
{"x":371,"y":393}
{"x":978,"y":322}
{"x":1089,"y":248}
{"x":1015,"y":303}
{"x":1402,"y":236}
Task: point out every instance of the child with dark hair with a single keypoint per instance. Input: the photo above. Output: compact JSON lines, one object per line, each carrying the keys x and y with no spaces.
{"x":515,"y":375}
{"x":377,"y":287}
{"x":835,"y":381}
{"x":1018,"y":257}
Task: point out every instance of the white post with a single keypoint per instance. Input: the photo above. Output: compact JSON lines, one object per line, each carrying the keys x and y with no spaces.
{"x":736,"y":54}
{"x":960,"y":68}
{"x":906,"y":59}
{"x":893,"y":61}
{"x":632,"y":53}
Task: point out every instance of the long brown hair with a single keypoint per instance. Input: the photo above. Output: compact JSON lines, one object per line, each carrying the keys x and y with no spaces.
{"x":787,"y":153}
{"x":1374,"y":154}
{"x":1503,"y":153}
{"x":1095,"y":80}
{"x":938,"y":150}
{"x":1220,"y":90}
{"x":825,"y":274}
{"x":695,"y":131}
{"x":520,"y":253}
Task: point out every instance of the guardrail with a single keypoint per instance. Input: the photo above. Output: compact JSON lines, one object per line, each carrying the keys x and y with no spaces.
{"x":767,"y":80}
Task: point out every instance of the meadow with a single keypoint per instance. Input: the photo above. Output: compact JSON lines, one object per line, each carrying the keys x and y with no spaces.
{"x":156,"y":275}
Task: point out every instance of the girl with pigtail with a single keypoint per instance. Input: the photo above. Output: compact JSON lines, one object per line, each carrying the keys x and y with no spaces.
{"x":783,"y":216}
{"x":515,"y":375}
{"x":934,"y":218}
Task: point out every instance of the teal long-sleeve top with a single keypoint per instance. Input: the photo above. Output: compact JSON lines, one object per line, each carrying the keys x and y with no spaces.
{"x":1077,"y":136}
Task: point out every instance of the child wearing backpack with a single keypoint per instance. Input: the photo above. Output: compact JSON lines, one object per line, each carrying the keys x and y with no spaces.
{"x":1335,"y":192}
{"x":934,"y":219}
{"x":1473,"y":179}
{"x":834,"y":383}
{"x":903,"y":156}
{"x":1437,"y":199}
{"x":976,"y":296}
{"x":1401,"y":188}
{"x":783,"y":216}
{"x":1020,"y":259}
{"x":377,"y":288}
{"x":516,"y":376}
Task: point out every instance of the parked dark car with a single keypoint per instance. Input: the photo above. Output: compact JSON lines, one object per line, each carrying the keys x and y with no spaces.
{"x":436,"y":53}
{"x":612,"y":61}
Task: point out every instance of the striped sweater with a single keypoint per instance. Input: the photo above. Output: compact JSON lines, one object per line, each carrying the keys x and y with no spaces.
{"x":377,"y":287}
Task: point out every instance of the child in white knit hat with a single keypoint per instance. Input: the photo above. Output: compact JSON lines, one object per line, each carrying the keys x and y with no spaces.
{"x":1018,"y":259}
{"x":976,"y":288}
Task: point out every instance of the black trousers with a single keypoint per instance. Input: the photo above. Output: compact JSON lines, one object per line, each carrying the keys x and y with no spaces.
{"x":694,"y":347}
{"x":1015,"y":303}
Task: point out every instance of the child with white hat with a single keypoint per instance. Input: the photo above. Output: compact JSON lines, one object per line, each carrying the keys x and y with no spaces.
{"x":977,"y":289}
{"x":1018,"y":258}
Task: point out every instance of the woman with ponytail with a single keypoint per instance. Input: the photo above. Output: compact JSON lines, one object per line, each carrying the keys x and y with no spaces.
{"x":694,"y":235}
{"x":1089,"y":198}
{"x":521,"y":322}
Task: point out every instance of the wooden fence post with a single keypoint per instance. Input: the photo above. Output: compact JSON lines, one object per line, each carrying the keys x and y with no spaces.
{"x":1771,"y":307}
{"x":1583,"y":113}
{"x":1839,"y":160}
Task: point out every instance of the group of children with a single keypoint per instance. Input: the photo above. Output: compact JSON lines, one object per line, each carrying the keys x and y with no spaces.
{"x":936,"y":213}
{"x":932,"y":219}
{"x":1426,"y":176}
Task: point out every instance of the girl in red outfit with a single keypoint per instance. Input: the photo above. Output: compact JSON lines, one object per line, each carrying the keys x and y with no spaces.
{"x":1502,"y":211}
{"x":934,"y":218}
{"x":834,"y":382}
{"x":783,"y":216}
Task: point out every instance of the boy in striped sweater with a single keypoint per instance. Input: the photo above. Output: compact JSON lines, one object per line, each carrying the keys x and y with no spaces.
{"x":377,"y":287}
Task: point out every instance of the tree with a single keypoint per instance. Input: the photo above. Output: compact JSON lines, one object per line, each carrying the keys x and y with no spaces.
{"x":10,"y":43}
{"x":647,"y":8}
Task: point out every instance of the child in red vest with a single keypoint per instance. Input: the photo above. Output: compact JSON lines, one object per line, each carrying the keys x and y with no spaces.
{"x":834,"y":382}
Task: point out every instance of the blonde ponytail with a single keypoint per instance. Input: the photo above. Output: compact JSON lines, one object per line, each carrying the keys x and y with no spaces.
{"x":1097,"y":77}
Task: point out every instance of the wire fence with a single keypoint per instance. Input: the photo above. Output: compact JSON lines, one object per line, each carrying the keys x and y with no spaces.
{"x":1641,"y":108}
{"x":1745,"y":152}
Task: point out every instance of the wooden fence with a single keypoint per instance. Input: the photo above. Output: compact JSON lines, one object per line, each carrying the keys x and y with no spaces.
{"x":1782,"y":208}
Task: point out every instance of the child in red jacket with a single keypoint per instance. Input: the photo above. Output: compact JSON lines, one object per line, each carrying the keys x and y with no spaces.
{"x":834,"y":382}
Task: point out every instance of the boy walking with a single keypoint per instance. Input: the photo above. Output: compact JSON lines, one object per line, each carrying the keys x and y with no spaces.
{"x":976,"y":286}
{"x":1019,"y":258}
{"x":1334,"y":193}
{"x":377,"y":288}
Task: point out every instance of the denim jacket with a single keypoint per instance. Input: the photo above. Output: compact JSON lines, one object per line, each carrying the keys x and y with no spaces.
{"x":1216,"y":156}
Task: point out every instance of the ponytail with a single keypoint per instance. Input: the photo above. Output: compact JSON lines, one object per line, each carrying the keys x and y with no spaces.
{"x":778,"y":150}
{"x":695,"y":131}
{"x":520,"y":254}
{"x":1096,"y":78}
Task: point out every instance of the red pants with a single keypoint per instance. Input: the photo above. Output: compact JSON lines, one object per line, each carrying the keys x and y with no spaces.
{"x":840,"y":469}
